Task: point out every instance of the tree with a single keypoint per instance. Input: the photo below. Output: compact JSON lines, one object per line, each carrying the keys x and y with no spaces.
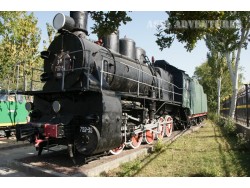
{"x":217,"y":64}
{"x":205,"y":75}
{"x":51,"y":35}
{"x":108,"y":22}
{"x":224,"y":33}
{"x":230,"y":42}
{"x":19,"y":40}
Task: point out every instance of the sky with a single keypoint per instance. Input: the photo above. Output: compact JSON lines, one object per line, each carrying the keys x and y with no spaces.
{"x":142,"y":29}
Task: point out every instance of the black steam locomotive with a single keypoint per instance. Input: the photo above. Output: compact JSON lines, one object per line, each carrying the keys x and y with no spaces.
{"x":99,"y":98}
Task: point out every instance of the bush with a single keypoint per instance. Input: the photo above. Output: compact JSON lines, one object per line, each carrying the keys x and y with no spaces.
{"x":159,"y":145}
{"x":221,"y":122}
{"x":242,"y":141}
{"x":230,"y":127}
{"x":216,"y":119}
{"x":213,"y":117}
{"x":228,"y":124}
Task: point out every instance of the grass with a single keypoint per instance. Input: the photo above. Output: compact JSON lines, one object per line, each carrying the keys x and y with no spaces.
{"x":209,"y":152}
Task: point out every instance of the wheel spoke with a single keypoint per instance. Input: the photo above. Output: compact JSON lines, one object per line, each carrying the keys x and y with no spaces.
{"x":135,"y":140}
{"x":149,"y":136}
{"x":117,"y":150}
{"x":160,"y":130}
{"x":169,"y":125}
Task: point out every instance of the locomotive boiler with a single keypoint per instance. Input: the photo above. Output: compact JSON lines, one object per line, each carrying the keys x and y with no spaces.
{"x":99,"y":98}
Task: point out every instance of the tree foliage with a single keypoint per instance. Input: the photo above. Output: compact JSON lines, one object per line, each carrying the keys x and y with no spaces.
{"x":226,"y":38}
{"x":108,"y":22}
{"x":208,"y":79}
{"x":19,"y":41}
{"x":51,"y":33}
{"x":181,"y":25}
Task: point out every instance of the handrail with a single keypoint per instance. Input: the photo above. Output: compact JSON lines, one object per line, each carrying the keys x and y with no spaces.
{"x":86,"y":54}
{"x":86,"y":66}
{"x":148,"y":74}
{"x":140,"y":72}
{"x":142,"y":83}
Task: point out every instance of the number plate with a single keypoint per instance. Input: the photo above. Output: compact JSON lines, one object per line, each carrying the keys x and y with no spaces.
{"x":86,"y":129}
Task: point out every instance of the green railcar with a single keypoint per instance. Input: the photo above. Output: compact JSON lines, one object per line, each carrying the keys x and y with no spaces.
{"x":12,"y":111}
{"x":198,"y":98}
{"x":186,"y":91}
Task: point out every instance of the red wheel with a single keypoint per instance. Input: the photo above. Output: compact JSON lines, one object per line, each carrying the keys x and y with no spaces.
{"x":149,"y":136}
{"x":169,"y":125}
{"x":135,"y":141}
{"x":160,"y":129}
{"x":117,"y":150}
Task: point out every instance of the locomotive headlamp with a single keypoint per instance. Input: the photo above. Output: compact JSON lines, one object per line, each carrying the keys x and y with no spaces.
{"x":56,"y":106}
{"x":63,"y":22}
{"x":29,"y":106}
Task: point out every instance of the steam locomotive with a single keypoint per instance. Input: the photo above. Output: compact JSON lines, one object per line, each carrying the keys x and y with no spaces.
{"x":99,"y":98}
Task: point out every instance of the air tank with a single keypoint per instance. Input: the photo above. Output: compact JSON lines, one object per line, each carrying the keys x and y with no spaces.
{"x":127,"y":47}
{"x":140,"y":54}
{"x":112,"y":41}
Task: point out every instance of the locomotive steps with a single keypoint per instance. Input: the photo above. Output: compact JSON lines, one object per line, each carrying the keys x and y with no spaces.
{"x":58,"y":163}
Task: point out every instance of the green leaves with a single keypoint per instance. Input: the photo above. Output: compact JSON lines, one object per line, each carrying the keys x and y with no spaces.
{"x":207,"y":77}
{"x":187,"y":27}
{"x":190,"y":26}
{"x":225,"y":32}
{"x":108,"y":22}
{"x":51,"y":35}
{"x":19,"y":40}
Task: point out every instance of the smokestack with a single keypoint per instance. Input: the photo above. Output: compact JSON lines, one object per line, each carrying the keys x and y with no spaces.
{"x":81,"y":20}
